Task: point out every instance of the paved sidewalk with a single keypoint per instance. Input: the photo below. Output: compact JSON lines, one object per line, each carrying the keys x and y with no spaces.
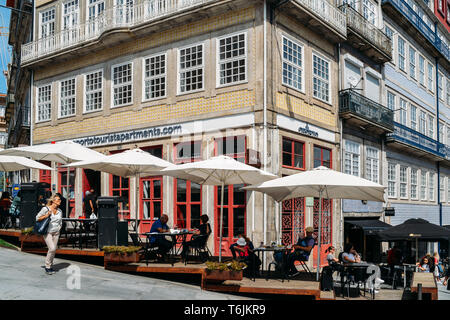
{"x":22,"y":276}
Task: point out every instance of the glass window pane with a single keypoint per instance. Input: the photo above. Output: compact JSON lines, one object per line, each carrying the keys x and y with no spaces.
{"x":195,"y":192}
{"x":157,"y":209}
{"x":156,"y":189}
{"x":146,"y":210}
{"x":287,"y":159}
{"x":238,"y":221}
{"x":181,"y":190}
{"x":287,"y":145}
{"x":225,"y":196}
{"x":181,"y":216}
{"x":146,"y":189}
{"x":195,"y":215}
{"x":239,"y":194}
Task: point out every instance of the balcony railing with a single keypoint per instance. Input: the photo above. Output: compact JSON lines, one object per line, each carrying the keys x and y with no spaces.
{"x":415,"y":139}
{"x":327,"y":13}
{"x":420,"y":25}
{"x":363,"y":107}
{"x":445,"y":150}
{"x":367,"y":30}
{"x":123,"y":16}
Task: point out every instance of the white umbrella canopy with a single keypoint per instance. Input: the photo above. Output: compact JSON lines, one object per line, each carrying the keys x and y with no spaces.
{"x":130,"y":163}
{"x":219,"y":171}
{"x":15,"y":163}
{"x":334,"y":184}
{"x":62,"y":152}
{"x":321,"y":182}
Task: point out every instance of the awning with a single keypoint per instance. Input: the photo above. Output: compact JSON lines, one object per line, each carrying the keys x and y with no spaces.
{"x":369,"y":226}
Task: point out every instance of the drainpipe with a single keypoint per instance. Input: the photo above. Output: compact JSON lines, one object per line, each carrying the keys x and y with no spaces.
{"x":265,"y":118}
{"x":341,"y":153}
{"x":437,"y":133}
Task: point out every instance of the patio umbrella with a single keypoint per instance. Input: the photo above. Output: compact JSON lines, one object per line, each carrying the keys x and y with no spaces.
{"x":320,"y":182}
{"x":219,"y":171}
{"x":130,"y":163}
{"x":15,"y":163}
{"x":62,"y":151}
{"x":415,"y":229}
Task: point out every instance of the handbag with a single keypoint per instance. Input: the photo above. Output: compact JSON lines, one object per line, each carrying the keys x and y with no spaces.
{"x":41,"y":227}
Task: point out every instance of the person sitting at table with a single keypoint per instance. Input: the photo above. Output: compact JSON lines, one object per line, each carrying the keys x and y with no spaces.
{"x":423,"y":265}
{"x":350,"y":255}
{"x":330,"y":255}
{"x":234,"y":245}
{"x":244,"y":249}
{"x":163,"y":244}
{"x":301,"y":252}
{"x":199,"y":238}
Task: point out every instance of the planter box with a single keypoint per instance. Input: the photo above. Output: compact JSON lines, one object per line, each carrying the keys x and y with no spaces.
{"x":223,"y":275}
{"x":31,"y":238}
{"x":121,"y":257}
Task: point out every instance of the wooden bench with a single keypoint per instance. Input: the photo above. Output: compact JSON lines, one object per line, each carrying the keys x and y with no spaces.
{"x":428,"y":284}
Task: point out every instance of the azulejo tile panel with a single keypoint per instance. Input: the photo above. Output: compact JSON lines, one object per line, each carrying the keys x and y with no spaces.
{"x":227,"y":102}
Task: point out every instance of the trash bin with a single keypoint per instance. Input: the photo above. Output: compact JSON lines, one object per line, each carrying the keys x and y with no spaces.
{"x":108,"y":222}
{"x":33,"y":196}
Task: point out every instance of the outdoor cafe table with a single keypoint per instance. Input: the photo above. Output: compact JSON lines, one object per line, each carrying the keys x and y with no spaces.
{"x":262,"y":250}
{"x":176,"y":237}
{"x":78,"y":227}
{"x":361,"y":269}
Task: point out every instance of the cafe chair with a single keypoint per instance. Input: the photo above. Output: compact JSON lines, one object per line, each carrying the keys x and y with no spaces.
{"x":148,"y":250}
{"x":201,"y":250}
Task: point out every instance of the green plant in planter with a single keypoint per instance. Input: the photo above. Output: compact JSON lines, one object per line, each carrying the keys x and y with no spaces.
{"x":225,"y":266}
{"x":121,"y":249}
{"x":27,"y":231}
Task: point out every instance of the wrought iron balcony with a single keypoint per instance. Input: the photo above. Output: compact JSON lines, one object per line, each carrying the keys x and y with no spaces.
{"x":355,"y":105}
{"x":414,"y":19}
{"x":122,"y":16}
{"x":375,"y":43}
{"x":415,"y":139}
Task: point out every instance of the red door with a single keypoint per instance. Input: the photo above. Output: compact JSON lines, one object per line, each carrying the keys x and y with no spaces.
{"x":234,"y":217}
{"x":45,"y":175}
{"x":120,"y":187}
{"x":326,"y":229}
{"x":292,"y":220}
{"x":67,"y":190}
{"x":151,"y":201}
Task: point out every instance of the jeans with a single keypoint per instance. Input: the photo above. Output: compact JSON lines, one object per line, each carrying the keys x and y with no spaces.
{"x":51,"y":239}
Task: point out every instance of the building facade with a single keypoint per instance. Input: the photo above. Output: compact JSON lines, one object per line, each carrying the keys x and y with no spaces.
{"x":185,"y":81}
{"x":418,"y":90}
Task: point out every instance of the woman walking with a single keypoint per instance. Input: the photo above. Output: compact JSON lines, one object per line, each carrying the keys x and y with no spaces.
{"x":51,"y":237}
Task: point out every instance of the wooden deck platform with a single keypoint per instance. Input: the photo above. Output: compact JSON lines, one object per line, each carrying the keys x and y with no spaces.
{"x":428,"y":283}
{"x":68,"y":251}
{"x":271,"y":286}
{"x":10,"y":232}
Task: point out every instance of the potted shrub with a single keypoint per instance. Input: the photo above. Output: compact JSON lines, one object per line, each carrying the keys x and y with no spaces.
{"x":221,"y":271}
{"x":121,"y":254}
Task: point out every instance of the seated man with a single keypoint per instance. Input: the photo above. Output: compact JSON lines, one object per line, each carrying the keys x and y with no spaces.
{"x":235,"y":245}
{"x":301,"y":251}
{"x":161,"y":226}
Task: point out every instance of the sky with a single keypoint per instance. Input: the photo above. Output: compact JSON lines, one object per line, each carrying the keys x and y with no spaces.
{"x":5,"y":52}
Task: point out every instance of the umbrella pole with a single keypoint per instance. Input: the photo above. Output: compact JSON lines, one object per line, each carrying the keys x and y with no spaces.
{"x":221,"y":221}
{"x":68,"y":193}
{"x":138,"y":182}
{"x":319,"y":243}
{"x":417,"y":249}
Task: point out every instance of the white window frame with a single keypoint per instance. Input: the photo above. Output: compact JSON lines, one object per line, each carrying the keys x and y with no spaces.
{"x":392,"y":179}
{"x":370,"y":12}
{"x":442,"y":189}
{"x":401,"y":57}
{"x":77,"y":11}
{"x":302,"y":67}
{"x":85,"y":92}
{"x":354,"y":157}
{"x":430,"y":126}
{"x":371,"y":163}
{"x":448,"y":186}
{"x":413,"y":116}
{"x":144,"y":79}
{"x":131,"y":82}
{"x":60,"y":116}
{"x":242,"y":57}
{"x":47,"y":22}
{"x":423,"y":191}
{"x":440,"y":86}
{"x":403,"y":112}
{"x":391,"y":94}
{"x":412,"y":62}
{"x":430,"y":80}
{"x":49,"y":102}
{"x":202,"y":67}
{"x":422,"y":71}
{"x":403,"y":177}
{"x":320,"y":78}
{"x":431,"y":186}
{"x":447,"y":82}
{"x":423,"y":121}
{"x":390,"y":34}
{"x":414,"y":179}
